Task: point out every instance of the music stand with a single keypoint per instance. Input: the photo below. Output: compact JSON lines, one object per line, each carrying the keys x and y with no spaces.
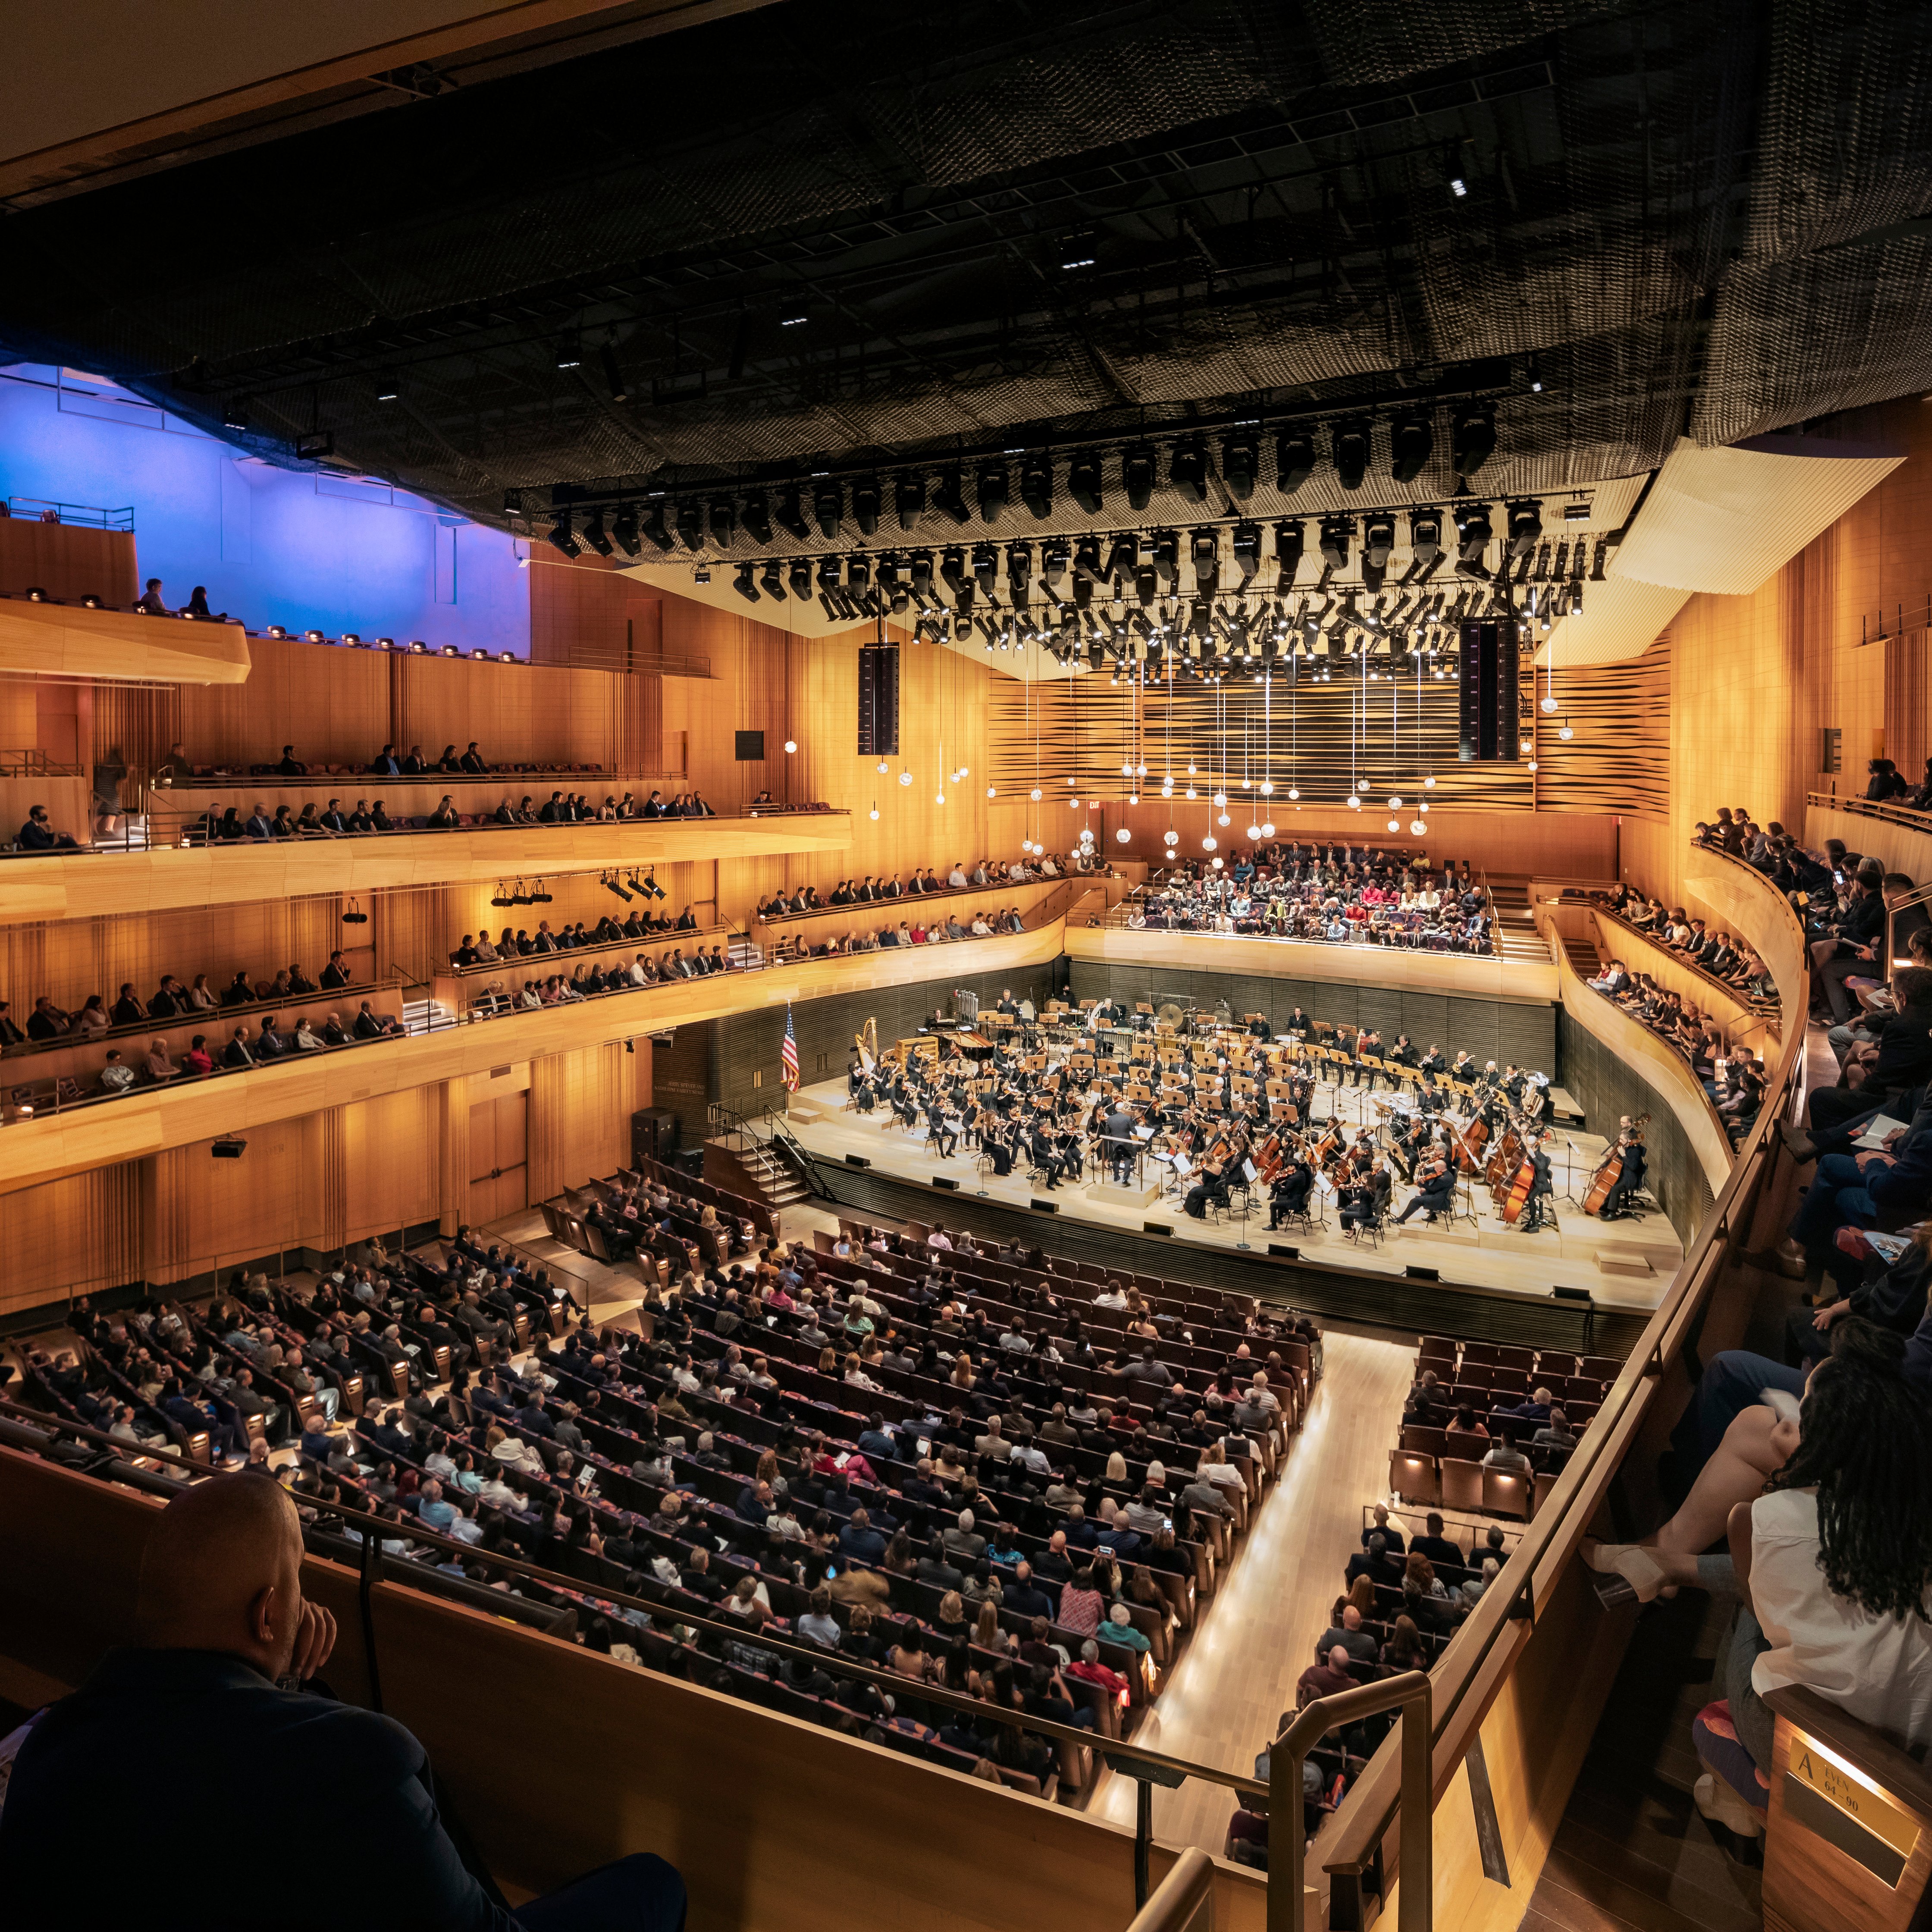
{"x":1569,"y":1167}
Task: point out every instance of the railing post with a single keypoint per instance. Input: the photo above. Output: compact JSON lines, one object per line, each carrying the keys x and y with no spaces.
{"x":1287,"y":1839}
{"x":1143,"y":1838}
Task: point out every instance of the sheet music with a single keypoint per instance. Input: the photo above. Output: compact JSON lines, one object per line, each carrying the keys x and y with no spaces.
{"x":1183,"y":1165}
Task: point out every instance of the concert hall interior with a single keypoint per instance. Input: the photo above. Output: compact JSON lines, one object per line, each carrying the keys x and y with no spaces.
{"x":969,"y":965}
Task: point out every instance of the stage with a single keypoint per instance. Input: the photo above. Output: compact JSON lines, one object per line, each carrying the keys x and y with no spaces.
{"x":1623,"y":1265}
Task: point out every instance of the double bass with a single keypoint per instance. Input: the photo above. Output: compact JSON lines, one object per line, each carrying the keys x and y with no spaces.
{"x":1510,"y":1202}
{"x":1607,"y":1177}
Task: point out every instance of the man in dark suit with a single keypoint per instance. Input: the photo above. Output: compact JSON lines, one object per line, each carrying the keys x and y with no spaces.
{"x":236,"y":1053}
{"x":385,"y":763}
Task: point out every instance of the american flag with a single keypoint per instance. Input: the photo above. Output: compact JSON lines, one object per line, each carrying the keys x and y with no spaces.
{"x":788,"y":1055}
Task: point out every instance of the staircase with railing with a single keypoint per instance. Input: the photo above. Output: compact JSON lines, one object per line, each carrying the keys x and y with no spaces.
{"x":767,"y":1151}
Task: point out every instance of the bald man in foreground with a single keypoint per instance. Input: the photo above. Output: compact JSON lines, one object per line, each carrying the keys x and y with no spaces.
{"x":189,"y":1784}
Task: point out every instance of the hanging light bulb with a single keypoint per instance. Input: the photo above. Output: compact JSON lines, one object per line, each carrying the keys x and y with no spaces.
{"x":1192,"y":793}
{"x":1354,"y":803}
{"x":874,"y":814}
{"x":1208,"y":844}
{"x":791,"y":745}
{"x":1126,"y":771}
{"x":1254,"y":832}
{"x":1416,"y":825}
{"x":1167,"y":791}
{"x":1220,"y":798}
{"x":1171,"y":838}
{"x":1429,"y":784}
{"x":1190,"y":771}
{"x":1395,"y":804}
{"x":882,"y":768}
{"x":1075,"y":803}
{"x":1293,"y":791}
{"x":1532,"y":764}
{"x":1217,"y":865}
{"x":1069,"y":784}
{"x":1224,"y":820}
{"x":992,"y":791}
{"x":1267,"y":787}
{"x":965,"y":772}
{"x":905,"y":778}
{"x":1140,"y":770}
{"x":1036,"y":794}
{"x":939,"y":798}
{"x":1268,"y":828}
{"x":1133,"y":798}
{"x":1247,"y":784}
{"x":1564,"y":732}
{"x":1424,"y":805}
{"x":1549,"y":707}
{"x":1395,"y":825}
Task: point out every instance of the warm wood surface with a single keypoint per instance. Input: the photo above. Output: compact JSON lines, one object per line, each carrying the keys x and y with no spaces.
{"x":1222,"y":1703}
{"x":1392,"y":967}
{"x":52,"y":1144}
{"x":63,"y":639}
{"x":80,"y":885}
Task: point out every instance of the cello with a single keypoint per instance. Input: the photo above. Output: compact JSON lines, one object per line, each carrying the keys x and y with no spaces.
{"x":1607,"y":1177}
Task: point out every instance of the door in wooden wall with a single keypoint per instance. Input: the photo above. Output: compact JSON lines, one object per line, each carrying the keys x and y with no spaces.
{"x":498,"y":1185}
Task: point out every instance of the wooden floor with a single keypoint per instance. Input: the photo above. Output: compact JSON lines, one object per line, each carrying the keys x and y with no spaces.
{"x":1485,"y":1254}
{"x":1632,"y":1851}
{"x":1221,"y":1706}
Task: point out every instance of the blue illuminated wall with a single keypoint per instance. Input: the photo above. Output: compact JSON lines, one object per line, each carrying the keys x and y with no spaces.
{"x":301,"y":549}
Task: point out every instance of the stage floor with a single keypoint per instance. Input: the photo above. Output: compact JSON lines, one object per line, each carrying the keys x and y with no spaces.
{"x":1624,"y":1264}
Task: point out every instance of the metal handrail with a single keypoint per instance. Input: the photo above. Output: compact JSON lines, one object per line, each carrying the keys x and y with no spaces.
{"x":1883,"y":809}
{"x":1473,"y":1656}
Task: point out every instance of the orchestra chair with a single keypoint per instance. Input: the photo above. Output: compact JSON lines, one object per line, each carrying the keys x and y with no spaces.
{"x":1414,"y":1477}
{"x":1848,"y":1844}
{"x":1423,"y":1438}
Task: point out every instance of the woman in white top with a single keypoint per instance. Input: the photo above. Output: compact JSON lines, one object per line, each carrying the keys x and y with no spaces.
{"x":308,"y":1040}
{"x":200,"y":996}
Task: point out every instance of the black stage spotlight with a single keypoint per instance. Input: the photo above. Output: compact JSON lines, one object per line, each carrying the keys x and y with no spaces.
{"x":1084,"y":482}
{"x":1205,"y":553}
{"x":1241,"y":464}
{"x":893,"y":584}
{"x":986,"y":567}
{"x":1288,"y":544}
{"x":611,"y":885}
{"x":908,"y":498}
{"x":1294,"y":460}
{"x":1137,"y":474}
{"x":1525,"y":525}
{"x":1187,"y":469}
{"x":950,"y":496}
{"x":624,"y":530}
{"x":561,"y":536}
{"x":654,"y":530}
{"x":1036,"y":485}
{"x":1475,"y":440}
{"x":743,"y":585}
{"x":1378,"y":539}
{"x":858,"y":582}
{"x":1350,"y":445}
{"x":1054,"y":558}
{"x":772,"y":582}
{"x":1336,"y":533}
{"x":952,"y":573}
{"x":1166,"y":558}
{"x":723,"y":521}
{"x":992,"y":491}
{"x":800,"y":576}
{"x":691,"y":525}
{"x":594,"y":536}
{"x":1247,"y":548}
{"x":1473,"y":533}
{"x":922,"y":577}
{"x":501,"y":897}
{"x":1019,"y":573}
{"x":1122,"y":558}
{"x":865,"y":505}
{"x":831,"y":590}
{"x":758,"y":518}
{"x":828,"y":506}
{"x":1411,"y":442}
{"x":1425,"y":535}
{"x":789,"y":514}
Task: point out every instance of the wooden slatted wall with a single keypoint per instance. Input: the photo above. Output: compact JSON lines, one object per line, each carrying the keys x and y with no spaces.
{"x":1619,"y":757}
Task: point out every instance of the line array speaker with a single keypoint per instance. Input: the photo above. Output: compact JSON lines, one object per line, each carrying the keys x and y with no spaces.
{"x":878,"y":701}
{"x":1489,"y":727}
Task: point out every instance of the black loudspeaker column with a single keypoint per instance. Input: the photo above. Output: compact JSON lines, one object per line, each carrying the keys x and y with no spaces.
{"x":654,"y":1134}
{"x":878,"y":701}
{"x":1489,"y":727}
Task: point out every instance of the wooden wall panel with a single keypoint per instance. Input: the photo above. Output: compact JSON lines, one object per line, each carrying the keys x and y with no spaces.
{"x":1908,"y":699}
{"x":389,"y":1163}
{"x":74,"y":958}
{"x":332,"y":705}
{"x":1618,"y":758}
{"x":530,"y":713}
{"x":199,"y":1214}
{"x":73,"y":1237}
{"x":579,"y":1121}
{"x":67,"y":561}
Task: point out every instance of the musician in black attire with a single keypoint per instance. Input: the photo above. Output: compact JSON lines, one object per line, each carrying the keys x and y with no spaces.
{"x":1540,"y":1189}
{"x":1288,"y":1193}
{"x":1436,"y":1185}
{"x":944,"y":1140}
{"x":1358,"y":1206}
{"x":1630,"y":1178}
{"x":1044,"y":1156}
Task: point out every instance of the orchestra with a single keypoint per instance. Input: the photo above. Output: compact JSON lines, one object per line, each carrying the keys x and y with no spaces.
{"x":1217,"y":1111}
